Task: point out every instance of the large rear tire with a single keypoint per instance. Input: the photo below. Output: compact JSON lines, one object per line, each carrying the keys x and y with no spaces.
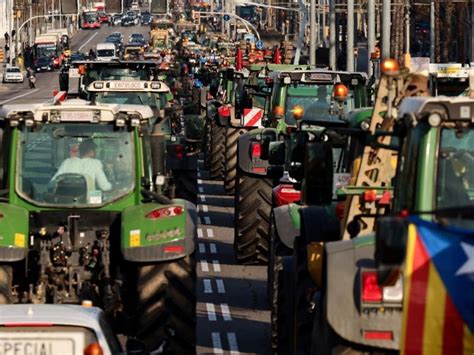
{"x":165,"y":314}
{"x":281,"y":315}
{"x":186,"y":185}
{"x":253,"y":206}
{"x":230,"y":162}
{"x":6,"y":280}
{"x":217,"y":151}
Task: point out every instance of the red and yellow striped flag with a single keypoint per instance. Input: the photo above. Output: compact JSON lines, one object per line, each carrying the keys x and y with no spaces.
{"x":432,"y":324}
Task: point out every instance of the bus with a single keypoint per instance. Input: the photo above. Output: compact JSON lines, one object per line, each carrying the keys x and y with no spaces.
{"x":90,"y":19}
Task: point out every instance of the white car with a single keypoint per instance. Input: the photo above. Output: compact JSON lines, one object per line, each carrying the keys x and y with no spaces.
{"x":13,"y":75}
{"x":55,"y":329}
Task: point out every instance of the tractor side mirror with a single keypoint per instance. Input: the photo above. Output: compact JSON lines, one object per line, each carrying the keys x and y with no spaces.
{"x":318,"y":174}
{"x":390,"y":248}
{"x":276,"y":153}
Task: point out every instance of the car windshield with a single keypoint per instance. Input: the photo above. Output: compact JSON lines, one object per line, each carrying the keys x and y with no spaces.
{"x":90,"y":17}
{"x":127,"y":98}
{"x":315,"y":99}
{"x":13,"y":70}
{"x":72,"y":164}
{"x":105,"y":53}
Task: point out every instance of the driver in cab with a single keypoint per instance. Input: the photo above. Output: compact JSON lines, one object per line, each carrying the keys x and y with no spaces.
{"x":87,"y":165}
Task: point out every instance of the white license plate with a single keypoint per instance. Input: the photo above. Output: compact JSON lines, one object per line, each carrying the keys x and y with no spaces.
{"x":74,"y":73}
{"x":37,"y":346}
{"x":82,"y":116}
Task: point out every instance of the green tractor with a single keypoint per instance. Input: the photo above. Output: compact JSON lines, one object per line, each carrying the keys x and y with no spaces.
{"x":308,"y":92}
{"x":182,"y":134}
{"x":82,"y":218}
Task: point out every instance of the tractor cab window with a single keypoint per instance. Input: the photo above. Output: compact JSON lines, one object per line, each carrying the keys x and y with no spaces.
{"x":316,"y":101}
{"x":455,"y":178}
{"x":71,"y":164}
{"x":4,"y":151}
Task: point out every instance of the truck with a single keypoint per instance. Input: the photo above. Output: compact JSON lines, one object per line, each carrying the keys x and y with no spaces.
{"x":158,"y":39}
{"x":70,"y":236}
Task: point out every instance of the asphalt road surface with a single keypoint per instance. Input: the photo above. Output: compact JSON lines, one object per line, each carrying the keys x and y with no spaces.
{"x":233,"y":315}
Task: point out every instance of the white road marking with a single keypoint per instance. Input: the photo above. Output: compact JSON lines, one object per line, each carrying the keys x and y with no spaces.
{"x":216,"y":343}
{"x":199,"y":182}
{"x":199,"y":231}
{"x":202,"y":248}
{"x":226,"y":312}
{"x":203,"y":198}
{"x":211,"y":312}
{"x":220,"y":286}
{"x":233,"y":346}
{"x":207,"y":220}
{"x":204,"y":266}
{"x":201,"y":190}
{"x":18,"y":96}
{"x":205,"y":208}
{"x":213,"y":248}
{"x":90,"y":39}
{"x":207,"y":286}
{"x":216,"y":266}
{"x":210,"y":233}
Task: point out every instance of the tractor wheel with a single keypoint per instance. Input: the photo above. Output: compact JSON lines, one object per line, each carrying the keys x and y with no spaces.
{"x":166,"y":306}
{"x":281,"y":306}
{"x":303,"y":318}
{"x":230,"y":162}
{"x":186,"y":185}
{"x":217,"y":151}
{"x":253,"y":206}
{"x":6,"y":280}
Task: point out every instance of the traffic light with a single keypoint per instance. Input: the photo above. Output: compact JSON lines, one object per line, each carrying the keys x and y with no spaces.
{"x":69,"y":7}
{"x":113,"y":6}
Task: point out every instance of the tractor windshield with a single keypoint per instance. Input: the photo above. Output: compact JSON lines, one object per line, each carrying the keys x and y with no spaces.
{"x":316,"y":101}
{"x":128,"y":98}
{"x":455,"y":178}
{"x":71,"y":164}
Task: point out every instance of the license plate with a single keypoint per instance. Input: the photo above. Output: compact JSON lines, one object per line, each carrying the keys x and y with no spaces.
{"x":37,"y":346}
{"x":81,"y":116}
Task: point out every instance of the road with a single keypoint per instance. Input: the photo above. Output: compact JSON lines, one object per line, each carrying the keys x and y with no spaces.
{"x":232,"y":312}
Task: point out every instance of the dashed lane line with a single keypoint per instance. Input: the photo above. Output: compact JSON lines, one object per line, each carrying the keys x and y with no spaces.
{"x":204,"y":266}
{"x":233,"y":346}
{"x":226,"y":312}
{"x":216,"y":266}
{"x":220,"y":286}
{"x":217,"y":343}
{"x":213,"y":248}
{"x":90,"y":39}
{"x":211,"y":312}
{"x":18,"y":96}
{"x":207,"y":286}
{"x":202,"y":248}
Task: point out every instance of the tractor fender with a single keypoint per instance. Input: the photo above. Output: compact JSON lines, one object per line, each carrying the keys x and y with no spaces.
{"x":14,"y":229}
{"x":154,"y":240}
{"x":344,"y":262}
{"x":246,"y":163}
{"x":286,"y":226}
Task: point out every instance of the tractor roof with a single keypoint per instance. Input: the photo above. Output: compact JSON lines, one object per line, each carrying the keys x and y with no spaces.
{"x":321,"y":75}
{"x":450,"y":108}
{"x":74,"y":111}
